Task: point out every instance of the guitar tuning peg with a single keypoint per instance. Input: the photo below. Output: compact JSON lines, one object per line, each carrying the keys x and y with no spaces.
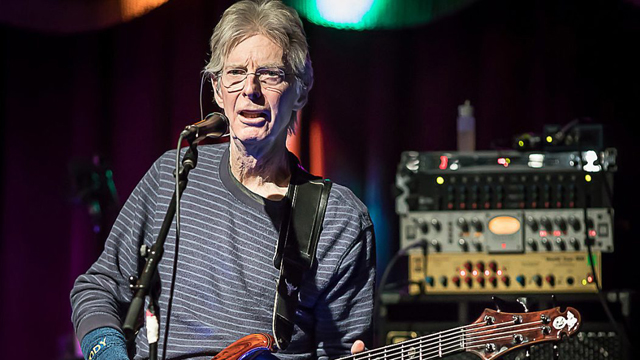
{"x":523,"y":301}
{"x":498,"y":303}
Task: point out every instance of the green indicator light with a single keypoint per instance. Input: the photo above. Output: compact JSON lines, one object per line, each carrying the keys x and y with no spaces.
{"x":521,"y":143}
{"x":587,"y":178}
{"x":549,"y":139}
{"x":584,"y":281}
{"x":440,"y":180}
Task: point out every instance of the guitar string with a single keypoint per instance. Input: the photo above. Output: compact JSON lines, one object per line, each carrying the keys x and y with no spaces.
{"x":420,"y":340}
{"x":450,"y":348}
{"x":454,"y":346}
{"x":468,"y":339}
{"x":504,"y":335}
{"x":383,"y":349}
{"x":416,"y":340}
{"x":452,"y":351}
{"x":489,"y":331}
{"x":456,"y":332}
{"x":472,"y":335}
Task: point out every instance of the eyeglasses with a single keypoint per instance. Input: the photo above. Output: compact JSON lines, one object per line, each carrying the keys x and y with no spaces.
{"x":233,"y":79}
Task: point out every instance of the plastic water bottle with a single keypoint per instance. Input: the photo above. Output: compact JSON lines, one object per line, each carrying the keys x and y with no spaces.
{"x":466,"y":127}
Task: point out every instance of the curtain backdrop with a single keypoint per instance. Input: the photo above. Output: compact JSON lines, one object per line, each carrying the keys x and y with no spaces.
{"x":124,"y":93}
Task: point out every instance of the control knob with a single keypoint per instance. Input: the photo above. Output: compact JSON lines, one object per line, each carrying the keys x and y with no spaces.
{"x":537,"y":279}
{"x":436,"y":224}
{"x":423,"y":226}
{"x":463,"y":225}
{"x":469,"y":281}
{"x":493,"y":266}
{"x":477,"y":224}
{"x":546,"y":223}
{"x":435,"y":244}
{"x":463,"y":244}
{"x":429,"y":280}
{"x":561,"y":223}
{"x":551,"y":280}
{"x":574,"y":222}
{"x":574,"y":243}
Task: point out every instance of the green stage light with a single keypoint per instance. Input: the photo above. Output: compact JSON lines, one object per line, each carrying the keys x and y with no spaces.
{"x":374,"y":14}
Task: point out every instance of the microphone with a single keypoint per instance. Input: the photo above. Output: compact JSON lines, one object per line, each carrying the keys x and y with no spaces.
{"x":214,"y":125}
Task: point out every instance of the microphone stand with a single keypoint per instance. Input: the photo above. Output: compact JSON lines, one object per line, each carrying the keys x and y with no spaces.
{"x":148,"y":278}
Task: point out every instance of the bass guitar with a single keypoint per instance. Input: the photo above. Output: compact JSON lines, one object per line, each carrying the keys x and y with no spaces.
{"x":491,"y":336}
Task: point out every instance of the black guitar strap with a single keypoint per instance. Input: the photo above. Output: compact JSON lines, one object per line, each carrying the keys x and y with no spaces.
{"x":296,"y":250}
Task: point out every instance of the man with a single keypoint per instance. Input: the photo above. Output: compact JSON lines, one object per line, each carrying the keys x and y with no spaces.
{"x":230,"y":216}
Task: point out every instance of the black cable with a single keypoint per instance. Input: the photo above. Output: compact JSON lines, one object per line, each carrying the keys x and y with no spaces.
{"x":383,"y":280}
{"x":620,"y":330}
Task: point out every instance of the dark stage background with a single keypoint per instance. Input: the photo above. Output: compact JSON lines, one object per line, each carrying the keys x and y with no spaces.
{"x":125,"y":91}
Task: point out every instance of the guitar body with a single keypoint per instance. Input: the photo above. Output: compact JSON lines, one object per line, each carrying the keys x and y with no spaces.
{"x":248,"y":348}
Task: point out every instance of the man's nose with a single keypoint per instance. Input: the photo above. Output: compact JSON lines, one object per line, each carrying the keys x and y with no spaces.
{"x":252,"y":87}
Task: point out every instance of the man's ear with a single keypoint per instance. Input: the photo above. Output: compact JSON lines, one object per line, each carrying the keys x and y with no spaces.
{"x":303,"y":95}
{"x":217,"y":93}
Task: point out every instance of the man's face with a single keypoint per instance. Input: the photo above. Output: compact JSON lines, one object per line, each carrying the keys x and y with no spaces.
{"x":258,"y":112}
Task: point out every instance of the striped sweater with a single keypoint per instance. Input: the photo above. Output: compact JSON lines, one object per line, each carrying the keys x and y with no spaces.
{"x":225,"y":282}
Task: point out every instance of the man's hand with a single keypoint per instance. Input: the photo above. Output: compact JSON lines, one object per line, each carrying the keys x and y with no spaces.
{"x":358,"y":346}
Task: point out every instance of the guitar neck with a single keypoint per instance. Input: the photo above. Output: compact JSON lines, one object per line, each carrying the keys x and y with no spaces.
{"x":432,"y":346}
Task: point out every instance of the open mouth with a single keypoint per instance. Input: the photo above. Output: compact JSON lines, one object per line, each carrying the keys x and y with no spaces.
{"x":253,"y":114}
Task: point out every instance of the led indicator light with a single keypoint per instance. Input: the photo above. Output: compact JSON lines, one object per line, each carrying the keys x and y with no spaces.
{"x":549,"y":139}
{"x":557,"y":233}
{"x":444,"y":162}
{"x":504,"y":161}
{"x":440,"y":180}
{"x":499,"y":272}
{"x":487,"y":272}
{"x":520,"y":143}
{"x":463,"y":273}
{"x":475,"y":272}
{"x":543,"y":233}
{"x":584,"y":281}
{"x":587,"y":178}
{"x":592,"y":233}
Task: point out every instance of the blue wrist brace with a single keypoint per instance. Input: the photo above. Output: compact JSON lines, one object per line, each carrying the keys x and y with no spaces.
{"x":104,"y":343}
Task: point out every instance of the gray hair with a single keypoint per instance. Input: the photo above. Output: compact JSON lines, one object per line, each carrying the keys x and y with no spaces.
{"x":270,"y":18}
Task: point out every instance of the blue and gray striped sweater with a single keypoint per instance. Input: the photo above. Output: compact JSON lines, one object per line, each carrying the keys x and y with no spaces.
{"x":225,"y":284}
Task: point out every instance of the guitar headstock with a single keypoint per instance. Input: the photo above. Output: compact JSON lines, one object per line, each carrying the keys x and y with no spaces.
{"x":496,"y":333}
